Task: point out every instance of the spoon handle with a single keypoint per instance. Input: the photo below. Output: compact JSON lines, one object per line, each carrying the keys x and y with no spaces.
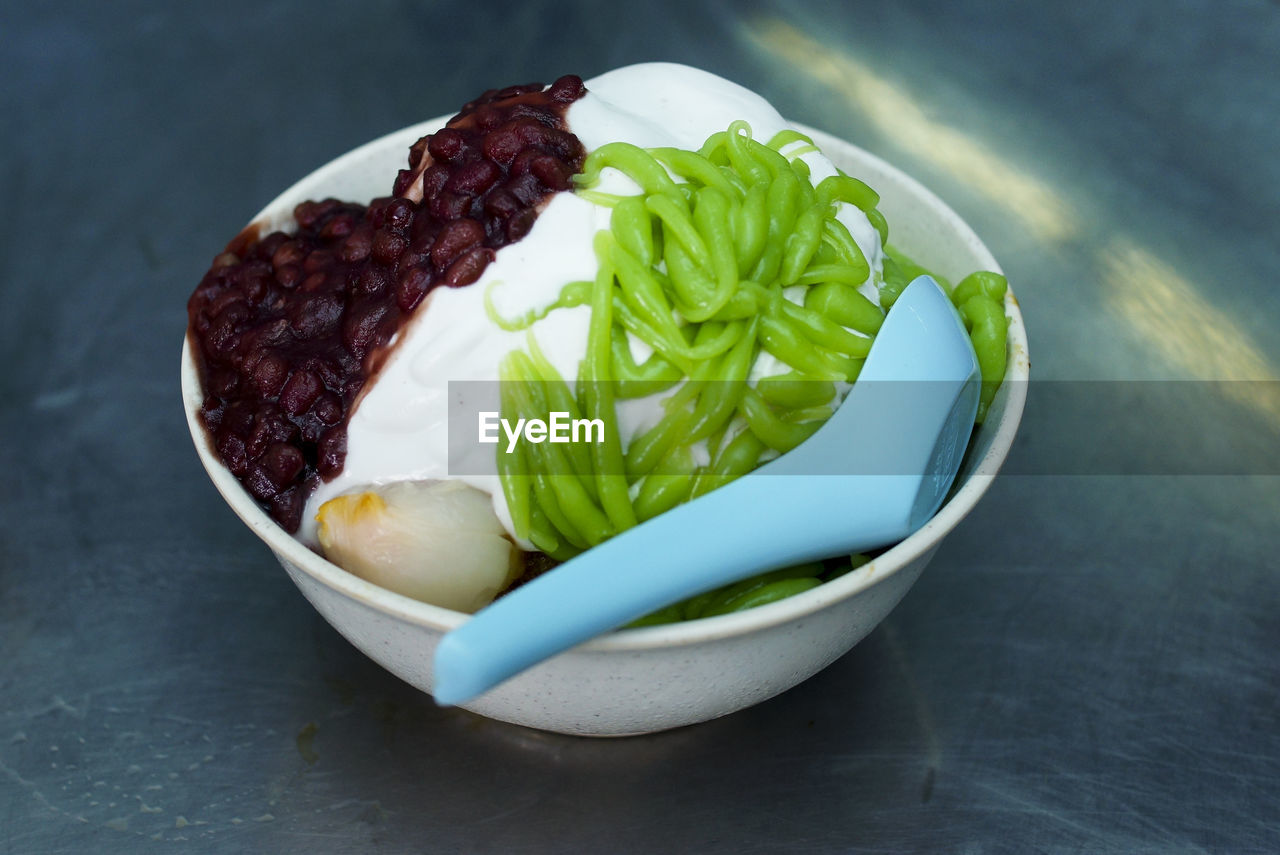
{"x":754,"y":524}
{"x":909,"y":412}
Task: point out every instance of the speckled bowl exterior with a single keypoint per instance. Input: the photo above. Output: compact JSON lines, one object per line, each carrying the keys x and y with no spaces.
{"x":656,"y":678}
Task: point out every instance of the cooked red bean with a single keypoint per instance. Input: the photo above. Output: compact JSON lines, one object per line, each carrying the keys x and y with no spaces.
{"x":328,"y":408}
{"x":501,"y":204}
{"x":486,"y":117}
{"x":288,"y":275}
{"x":412,"y":287}
{"x":290,"y":252}
{"x":231,"y":449}
{"x":321,"y":260}
{"x":358,"y":244}
{"x":316,"y":317}
{"x":553,"y":173}
{"x":338,"y":227}
{"x":468,"y":267}
{"x":446,"y":144}
{"x":283,"y":463}
{"x":502,"y":145}
{"x":360,"y":327}
{"x":519,"y":224}
{"x":459,"y":235}
{"x":373,"y":279}
{"x":387,"y":246}
{"x":434,"y":180}
{"x":474,"y":178}
{"x":300,"y":392}
{"x":287,"y":328}
{"x":400,"y":214}
{"x":566,"y":90}
{"x":526,"y":188}
{"x":269,"y":375}
{"x":446,"y":206}
{"x":286,"y":507}
{"x":332,"y":450}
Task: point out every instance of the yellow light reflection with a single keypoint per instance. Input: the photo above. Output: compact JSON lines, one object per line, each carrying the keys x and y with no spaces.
{"x":1162,"y":308}
{"x":897,"y":115}
{"x":1189,"y":332}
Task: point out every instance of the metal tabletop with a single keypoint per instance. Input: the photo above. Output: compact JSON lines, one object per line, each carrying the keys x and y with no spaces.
{"x":1089,"y":665}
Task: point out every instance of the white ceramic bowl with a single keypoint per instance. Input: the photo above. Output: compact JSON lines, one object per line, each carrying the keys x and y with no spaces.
{"x":651,"y":679}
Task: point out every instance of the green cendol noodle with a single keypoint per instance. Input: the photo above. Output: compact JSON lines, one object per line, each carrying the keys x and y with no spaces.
{"x":695,"y":267}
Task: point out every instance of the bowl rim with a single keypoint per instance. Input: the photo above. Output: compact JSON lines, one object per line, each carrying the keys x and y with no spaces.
{"x":428,"y":616}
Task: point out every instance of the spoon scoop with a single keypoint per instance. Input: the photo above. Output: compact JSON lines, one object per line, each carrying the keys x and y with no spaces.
{"x":870,"y":476}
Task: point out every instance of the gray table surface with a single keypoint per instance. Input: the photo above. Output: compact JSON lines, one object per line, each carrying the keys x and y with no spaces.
{"x":1090,"y":664}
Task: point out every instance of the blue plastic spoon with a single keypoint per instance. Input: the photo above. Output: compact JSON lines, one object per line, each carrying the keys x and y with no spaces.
{"x":870,"y":476}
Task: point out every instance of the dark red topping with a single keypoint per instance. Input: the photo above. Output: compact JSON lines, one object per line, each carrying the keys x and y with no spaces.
{"x":287,"y":329}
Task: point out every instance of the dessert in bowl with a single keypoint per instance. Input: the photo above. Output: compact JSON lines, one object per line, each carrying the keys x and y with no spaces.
{"x":634,"y":680}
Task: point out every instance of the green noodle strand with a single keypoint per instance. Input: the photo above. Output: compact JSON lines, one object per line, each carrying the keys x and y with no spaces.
{"x":786,"y":137}
{"x":556,"y":397}
{"x":573,"y":294}
{"x":695,"y":266}
{"x":719,"y":399}
{"x":774,"y":432}
{"x":879,"y":223}
{"x":825,"y":332}
{"x":764,"y":595}
{"x":750,"y":222}
{"x":737,"y":145}
{"x":711,"y":217}
{"x":695,"y":167}
{"x":990,"y":285}
{"x":548,"y":504}
{"x":843,"y":188}
{"x":678,"y":222}
{"x":739,"y":457}
{"x":785,"y":341}
{"x":598,"y":403}
{"x":795,"y":391}
{"x":989,"y":330}
{"x":844,"y":305}
{"x":801,"y":245}
{"x":513,"y":469}
{"x":632,"y":227}
{"x":637,"y":163}
{"x":652,"y":376}
{"x":668,"y":487}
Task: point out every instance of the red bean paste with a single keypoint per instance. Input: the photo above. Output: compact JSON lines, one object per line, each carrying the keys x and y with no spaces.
{"x":288,"y":329}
